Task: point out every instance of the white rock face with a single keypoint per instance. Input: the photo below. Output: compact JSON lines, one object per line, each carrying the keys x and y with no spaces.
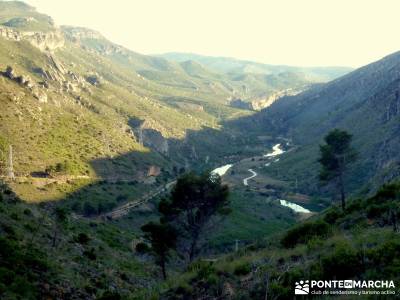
{"x":45,"y":41}
{"x":263,"y":102}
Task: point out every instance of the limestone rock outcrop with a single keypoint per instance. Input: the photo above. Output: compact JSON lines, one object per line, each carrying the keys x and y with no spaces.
{"x":45,"y":41}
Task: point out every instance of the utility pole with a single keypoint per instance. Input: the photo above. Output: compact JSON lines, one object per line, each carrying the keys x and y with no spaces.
{"x":140,"y":135}
{"x":236,"y":245}
{"x":266,"y":286}
{"x":10,"y":164}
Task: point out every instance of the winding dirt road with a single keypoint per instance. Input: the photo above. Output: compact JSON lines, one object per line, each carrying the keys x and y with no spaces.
{"x":254,"y":174}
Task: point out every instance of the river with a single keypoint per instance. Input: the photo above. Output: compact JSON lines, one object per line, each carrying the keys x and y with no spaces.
{"x":276,"y":151}
{"x":295,"y":207}
{"x":221,"y":170}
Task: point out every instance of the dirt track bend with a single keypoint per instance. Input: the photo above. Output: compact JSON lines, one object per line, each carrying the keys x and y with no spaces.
{"x":245,"y":181}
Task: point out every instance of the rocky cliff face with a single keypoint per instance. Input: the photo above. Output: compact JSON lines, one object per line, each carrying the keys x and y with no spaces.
{"x":149,"y":133}
{"x":45,"y":41}
{"x":264,"y":102}
{"x":98,"y":43}
{"x":21,"y":22}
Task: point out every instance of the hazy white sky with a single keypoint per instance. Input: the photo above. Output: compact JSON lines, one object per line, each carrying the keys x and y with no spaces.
{"x":293,"y":32}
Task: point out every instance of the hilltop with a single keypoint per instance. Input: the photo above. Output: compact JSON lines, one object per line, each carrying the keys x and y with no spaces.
{"x":236,"y":66}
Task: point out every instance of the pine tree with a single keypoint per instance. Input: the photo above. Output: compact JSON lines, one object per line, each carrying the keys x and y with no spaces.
{"x":335,"y":157}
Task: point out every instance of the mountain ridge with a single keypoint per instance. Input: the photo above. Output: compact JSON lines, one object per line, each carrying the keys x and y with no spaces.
{"x":364,"y":102}
{"x":230,"y":64}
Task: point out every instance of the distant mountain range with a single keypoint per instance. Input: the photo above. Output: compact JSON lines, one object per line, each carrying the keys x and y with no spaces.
{"x":234,"y":66}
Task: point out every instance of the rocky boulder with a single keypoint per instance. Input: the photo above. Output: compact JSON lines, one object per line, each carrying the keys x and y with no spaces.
{"x":39,"y":95}
{"x":93,"y":79}
{"x":10,"y":72}
{"x":153,"y":171}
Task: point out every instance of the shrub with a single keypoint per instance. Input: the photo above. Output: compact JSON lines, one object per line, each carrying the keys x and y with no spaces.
{"x":304,"y":232}
{"x":343,"y":263}
{"x":376,"y":210}
{"x":82,"y":238}
{"x":384,"y":255}
{"x":332,"y":215}
{"x":386,"y":192}
{"x":76,"y":206}
{"x":242,"y":269}
{"x":122,"y":198}
{"x":17,"y":265}
{"x":355,"y":205}
{"x":182,"y":290}
{"x":205,"y":271}
{"x":27,"y":212}
{"x":89,"y":209}
{"x":278,"y":291}
{"x":90,"y":254}
{"x":142,"y":248}
{"x":110,"y":296}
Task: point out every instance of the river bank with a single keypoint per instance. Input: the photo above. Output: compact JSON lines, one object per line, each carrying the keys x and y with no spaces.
{"x":270,"y":187}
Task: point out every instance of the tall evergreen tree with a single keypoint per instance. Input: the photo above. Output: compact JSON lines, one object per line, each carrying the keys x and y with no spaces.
{"x":335,"y":157}
{"x":194,"y":200}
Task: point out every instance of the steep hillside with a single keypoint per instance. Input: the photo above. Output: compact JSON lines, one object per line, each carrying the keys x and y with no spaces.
{"x":45,"y":253}
{"x":365,"y":102}
{"x":77,"y":108}
{"x":359,"y":244}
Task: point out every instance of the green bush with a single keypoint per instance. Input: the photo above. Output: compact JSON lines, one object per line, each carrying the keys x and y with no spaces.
{"x":343,"y":263}
{"x":332,"y":215}
{"x":242,"y":269}
{"x":63,"y":168}
{"x":142,"y":248}
{"x":182,"y":290}
{"x":82,"y":238}
{"x":27,"y":212}
{"x":20,"y":269}
{"x":110,"y":296}
{"x":376,"y":210}
{"x":304,"y":232}
{"x":385,"y":257}
{"x":90,"y":254}
{"x":279,"y":291}
{"x":89,"y":209}
{"x":386,"y":192}
{"x":355,"y":205}
{"x":205,"y":271}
